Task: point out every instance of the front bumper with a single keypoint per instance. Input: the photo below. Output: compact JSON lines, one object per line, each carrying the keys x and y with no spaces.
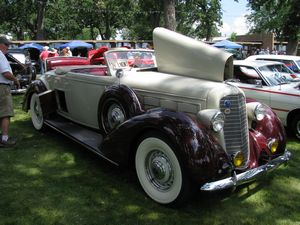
{"x":247,"y":176}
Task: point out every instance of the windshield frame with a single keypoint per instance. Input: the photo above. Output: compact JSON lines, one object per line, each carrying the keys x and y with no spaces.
{"x":126,"y":59}
{"x":275,"y":75}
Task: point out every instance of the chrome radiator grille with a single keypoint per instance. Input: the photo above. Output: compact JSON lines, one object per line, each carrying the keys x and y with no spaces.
{"x":235,"y":124}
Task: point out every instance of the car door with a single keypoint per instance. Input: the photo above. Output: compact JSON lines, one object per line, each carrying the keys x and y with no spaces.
{"x":82,"y":92}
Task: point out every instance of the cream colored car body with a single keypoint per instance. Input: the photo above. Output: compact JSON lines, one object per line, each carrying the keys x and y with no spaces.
{"x":188,"y":79}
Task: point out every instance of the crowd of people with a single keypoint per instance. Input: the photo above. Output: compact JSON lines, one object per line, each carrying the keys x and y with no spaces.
{"x":52,"y":52}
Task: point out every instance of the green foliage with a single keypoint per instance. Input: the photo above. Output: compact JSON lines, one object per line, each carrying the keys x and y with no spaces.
{"x":233,"y":36}
{"x":136,"y":19}
{"x":199,"y":18}
{"x":146,"y":15}
{"x":278,"y":16}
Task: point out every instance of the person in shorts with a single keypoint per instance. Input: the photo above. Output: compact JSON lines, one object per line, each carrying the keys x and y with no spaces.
{"x":6,"y":102}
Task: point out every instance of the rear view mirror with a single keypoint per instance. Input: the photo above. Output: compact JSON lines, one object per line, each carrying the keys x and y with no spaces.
{"x":119,"y":73}
{"x":258,"y":83}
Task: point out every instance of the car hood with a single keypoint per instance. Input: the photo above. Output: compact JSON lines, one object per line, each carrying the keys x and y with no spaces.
{"x":181,"y":55}
{"x":179,"y":87}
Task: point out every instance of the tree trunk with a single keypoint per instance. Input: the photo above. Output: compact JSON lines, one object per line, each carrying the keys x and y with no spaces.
{"x":169,"y":14}
{"x":40,"y":19}
{"x":292,"y":46}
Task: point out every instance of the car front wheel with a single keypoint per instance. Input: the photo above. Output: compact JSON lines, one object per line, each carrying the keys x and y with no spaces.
{"x":296,"y":126}
{"x":160,"y":172}
{"x":36,"y":112}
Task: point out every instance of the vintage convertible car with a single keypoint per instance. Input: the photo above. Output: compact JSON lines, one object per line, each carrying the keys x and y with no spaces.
{"x":266,"y":81}
{"x":171,"y":118}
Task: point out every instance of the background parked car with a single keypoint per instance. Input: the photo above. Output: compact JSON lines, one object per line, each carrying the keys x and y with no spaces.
{"x":22,"y":67}
{"x":34,"y":49}
{"x":293,"y":62}
{"x":265,"y":82}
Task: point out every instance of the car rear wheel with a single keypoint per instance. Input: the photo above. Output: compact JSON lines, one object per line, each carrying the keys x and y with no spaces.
{"x":113,"y":113}
{"x":160,"y":171}
{"x":36,"y":113}
{"x":296,"y":126}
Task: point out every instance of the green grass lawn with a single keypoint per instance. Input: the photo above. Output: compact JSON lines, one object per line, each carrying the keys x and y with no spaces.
{"x":49,"y":179}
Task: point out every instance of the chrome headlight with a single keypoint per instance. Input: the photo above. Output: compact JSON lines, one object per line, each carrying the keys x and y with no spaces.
{"x":212,"y":119}
{"x":217,"y":122}
{"x":256,"y":111}
{"x":259,"y":112}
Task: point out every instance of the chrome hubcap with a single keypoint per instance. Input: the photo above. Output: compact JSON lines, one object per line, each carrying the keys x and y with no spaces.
{"x":115,"y":116}
{"x":159,"y":170}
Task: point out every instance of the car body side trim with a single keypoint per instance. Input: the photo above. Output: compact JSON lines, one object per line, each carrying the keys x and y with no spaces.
{"x":275,"y":92}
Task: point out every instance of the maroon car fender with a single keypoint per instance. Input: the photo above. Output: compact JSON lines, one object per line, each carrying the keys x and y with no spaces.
{"x":204,"y":158}
{"x":37,"y":86}
{"x":262,"y":132}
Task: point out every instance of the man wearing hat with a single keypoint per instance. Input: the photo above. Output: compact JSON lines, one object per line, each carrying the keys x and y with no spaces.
{"x":6,"y":102}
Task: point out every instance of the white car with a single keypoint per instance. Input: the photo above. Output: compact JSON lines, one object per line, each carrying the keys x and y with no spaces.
{"x":265,"y":82}
{"x":291,"y":61}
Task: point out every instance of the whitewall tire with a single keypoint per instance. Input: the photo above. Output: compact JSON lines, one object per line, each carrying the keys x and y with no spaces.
{"x":36,"y":113}
{"x":159,"y":171}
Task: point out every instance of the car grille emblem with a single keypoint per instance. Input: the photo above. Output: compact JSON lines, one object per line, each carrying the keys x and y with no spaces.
{"x":227,"y":104}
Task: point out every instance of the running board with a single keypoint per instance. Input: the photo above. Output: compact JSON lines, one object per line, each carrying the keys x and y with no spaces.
{"x":90,"y":139}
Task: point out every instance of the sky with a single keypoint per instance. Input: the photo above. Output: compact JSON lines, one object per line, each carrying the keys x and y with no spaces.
{"x":233,"y":17}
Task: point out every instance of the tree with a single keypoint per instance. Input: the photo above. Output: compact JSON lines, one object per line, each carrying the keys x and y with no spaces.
{"x":41,"y":8}
{"x":147,"y":14}
{"x":278,"y":16}
{"x":199,"y":18}
{"x":233,"y":36}
{"x":169,"y":14}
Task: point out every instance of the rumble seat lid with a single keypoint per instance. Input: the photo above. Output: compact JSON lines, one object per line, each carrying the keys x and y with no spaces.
{"x":182,"y":55}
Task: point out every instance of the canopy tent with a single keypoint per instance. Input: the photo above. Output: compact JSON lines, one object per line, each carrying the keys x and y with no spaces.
{"x":32,"y":45}
{"x":76,"y":44}
{"x":227,"y":44}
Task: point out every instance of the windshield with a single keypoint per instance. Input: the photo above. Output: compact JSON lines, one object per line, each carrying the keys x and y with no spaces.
{"x":130,"y":59}
{"x":298,"y":66}
{"x":277,"y":74}
{"x":293,"y":65}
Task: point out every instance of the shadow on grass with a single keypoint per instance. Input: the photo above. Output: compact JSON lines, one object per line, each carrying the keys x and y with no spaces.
{"x":49,"y":179}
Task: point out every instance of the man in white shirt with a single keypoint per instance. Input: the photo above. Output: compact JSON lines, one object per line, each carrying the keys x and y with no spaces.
{"x":6,"y":102}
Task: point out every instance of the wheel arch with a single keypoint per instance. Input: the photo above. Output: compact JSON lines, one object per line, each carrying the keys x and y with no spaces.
{"x":37,"y":86}
{"x":200,"y":152}
{"x":291,"y":116}
{"x":125,"y":95}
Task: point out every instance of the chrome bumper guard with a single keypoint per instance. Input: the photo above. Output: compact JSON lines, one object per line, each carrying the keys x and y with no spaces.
{"x":247,"y":176}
